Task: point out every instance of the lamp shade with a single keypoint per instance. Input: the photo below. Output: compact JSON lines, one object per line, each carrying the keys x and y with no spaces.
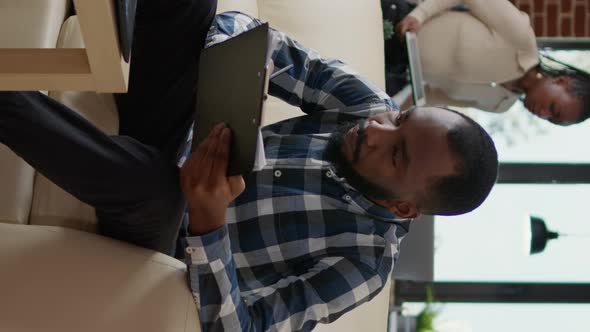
{"x":540,"y":235}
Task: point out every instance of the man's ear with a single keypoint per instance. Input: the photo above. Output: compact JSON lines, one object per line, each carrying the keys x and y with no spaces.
{"x":562,"y":80}
{"x":401,"y":208}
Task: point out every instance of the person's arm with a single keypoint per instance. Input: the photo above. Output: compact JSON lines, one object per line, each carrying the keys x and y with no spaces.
{"x":500,"y":16}
{"x":205,"y":184}
{"x":313,"y":83}
{"x":437,"y":96}
{"x":429,"y":8}
{"x":327,"y":290}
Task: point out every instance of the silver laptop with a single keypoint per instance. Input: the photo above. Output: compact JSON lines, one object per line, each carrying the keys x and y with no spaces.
{"x":416,"y":77}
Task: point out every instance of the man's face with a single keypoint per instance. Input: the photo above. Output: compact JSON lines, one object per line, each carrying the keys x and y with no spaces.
{"x":401,"y":153}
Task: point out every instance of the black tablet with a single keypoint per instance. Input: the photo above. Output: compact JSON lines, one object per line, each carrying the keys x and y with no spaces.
{"x":232,"y":78}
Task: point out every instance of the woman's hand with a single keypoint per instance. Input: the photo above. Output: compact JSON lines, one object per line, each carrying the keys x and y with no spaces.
{"x":205,"y":184}
{"x":409,"y":23}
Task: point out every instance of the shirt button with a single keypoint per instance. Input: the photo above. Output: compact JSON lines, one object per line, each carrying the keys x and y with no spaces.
{"x":347,"y":198}
{"x":329,"y":174}
{"x":189,"y":250}
{"x":278,"y":173}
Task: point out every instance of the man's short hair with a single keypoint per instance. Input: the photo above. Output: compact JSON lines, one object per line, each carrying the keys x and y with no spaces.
{"x":476,"y":171}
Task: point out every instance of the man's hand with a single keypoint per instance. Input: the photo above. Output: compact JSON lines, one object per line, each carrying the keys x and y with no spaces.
{"x":409,"y":23}
{"x":205,"y":184}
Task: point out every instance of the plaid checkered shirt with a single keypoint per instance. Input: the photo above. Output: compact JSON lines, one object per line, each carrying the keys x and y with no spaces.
{"x":300,"y":246}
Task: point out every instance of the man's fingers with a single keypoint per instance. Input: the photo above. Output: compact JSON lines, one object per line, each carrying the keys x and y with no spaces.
{"x":195,"y":167}
{"x":204,"y":145}
{"x":211,"y":155}
{"x":207,"y":148}
{"x":221,"y":157}
{"x":401,"y":29}
{"x":236,"y":185}
{"x":409,"y":23}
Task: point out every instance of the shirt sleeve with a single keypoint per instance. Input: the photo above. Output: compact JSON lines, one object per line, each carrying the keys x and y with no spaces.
{"x":322,"y":293}
{"x":429,"y":8}
{"x":313,"y":83}
{"x":500,"y":16}
{"x":483,"y":98}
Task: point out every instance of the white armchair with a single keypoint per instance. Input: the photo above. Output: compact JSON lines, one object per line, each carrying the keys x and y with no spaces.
{"x":54,"y":278}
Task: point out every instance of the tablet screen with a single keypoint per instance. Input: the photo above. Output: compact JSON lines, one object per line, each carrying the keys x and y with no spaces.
{"x":417,"y":80}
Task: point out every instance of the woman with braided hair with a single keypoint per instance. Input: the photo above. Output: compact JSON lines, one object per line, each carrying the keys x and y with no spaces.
{"x":487,"y":57}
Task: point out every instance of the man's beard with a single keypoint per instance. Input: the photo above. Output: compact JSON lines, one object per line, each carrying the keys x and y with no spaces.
{"x":335,"y":155}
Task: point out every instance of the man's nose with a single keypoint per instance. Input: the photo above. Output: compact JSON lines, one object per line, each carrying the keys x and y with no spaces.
{"x":378,"y":134}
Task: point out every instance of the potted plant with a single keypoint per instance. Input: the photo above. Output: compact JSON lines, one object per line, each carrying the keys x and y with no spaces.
{"x":426,"y":317}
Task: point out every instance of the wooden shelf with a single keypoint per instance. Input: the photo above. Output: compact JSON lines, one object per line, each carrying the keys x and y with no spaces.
{"x":99,"y":67}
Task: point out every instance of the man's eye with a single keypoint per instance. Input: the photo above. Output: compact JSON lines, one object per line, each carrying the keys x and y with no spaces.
{"x":394,"y":156}
{"x":554,"y":113}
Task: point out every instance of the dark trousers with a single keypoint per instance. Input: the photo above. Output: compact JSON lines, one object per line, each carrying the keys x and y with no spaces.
{"x":130,"y":179}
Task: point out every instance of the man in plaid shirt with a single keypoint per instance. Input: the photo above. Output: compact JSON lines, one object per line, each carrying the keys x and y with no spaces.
{"x":306,"y":239}
{"x":316,"y":232}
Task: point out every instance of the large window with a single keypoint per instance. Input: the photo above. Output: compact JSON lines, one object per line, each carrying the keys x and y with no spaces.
{"x":492,"y":244}
{"x":461,"y":317}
